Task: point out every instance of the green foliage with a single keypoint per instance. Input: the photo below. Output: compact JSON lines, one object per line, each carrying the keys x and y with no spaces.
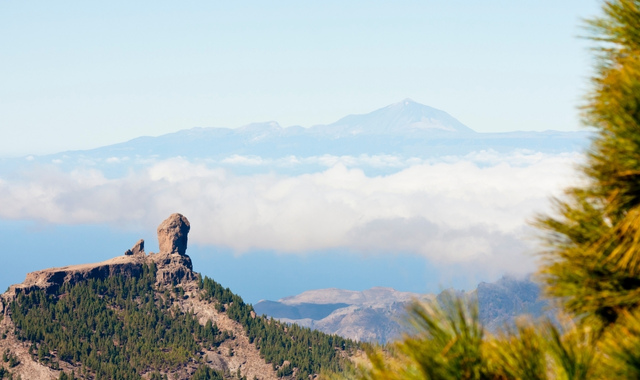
{"x":285,"y":370}
{"x":117,"y":327}
{"x":10,"y":358}
{"x":67,"y":376}
{"x":157,"y":376}
{"x":309,"y":351}
{"x":6,"y":374}
{"x":206,"y":373}
{"x":592,"y":261}
{"x":449,"y":342}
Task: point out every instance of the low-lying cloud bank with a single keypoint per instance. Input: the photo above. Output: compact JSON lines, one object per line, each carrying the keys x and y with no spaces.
{"x":458,"y":210}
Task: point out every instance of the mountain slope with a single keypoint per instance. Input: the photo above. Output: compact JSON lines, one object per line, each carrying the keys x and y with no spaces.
{"x":377,"y":314}
{"x":150,"y":316}
{"x":370,"y":315}
{"x":501,"y":302}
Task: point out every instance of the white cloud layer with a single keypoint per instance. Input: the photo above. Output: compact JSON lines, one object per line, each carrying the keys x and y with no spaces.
{"x":460,"y":210}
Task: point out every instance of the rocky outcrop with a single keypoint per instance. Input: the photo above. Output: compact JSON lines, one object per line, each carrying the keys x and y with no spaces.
{"x":51,"y":279}
{"x":172,"y":268}
{"x":137,"y":249}
{"x":172,"y":263}
{"x":172,"y":234}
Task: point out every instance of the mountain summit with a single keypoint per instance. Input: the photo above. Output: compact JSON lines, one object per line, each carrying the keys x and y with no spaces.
{"x":406,"y":118}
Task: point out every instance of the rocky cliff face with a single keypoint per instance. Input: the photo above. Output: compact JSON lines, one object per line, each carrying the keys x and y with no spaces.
{"x":172,"y":262}
{"x":51,"y":279}
{"x":173,"y":270}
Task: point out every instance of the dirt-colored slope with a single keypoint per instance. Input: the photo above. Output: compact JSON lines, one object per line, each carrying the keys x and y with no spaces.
{"x":233,"y":354}
{"x":27,"y":367}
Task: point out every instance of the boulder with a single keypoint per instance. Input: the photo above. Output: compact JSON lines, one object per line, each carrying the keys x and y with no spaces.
{"x":172,"y":234}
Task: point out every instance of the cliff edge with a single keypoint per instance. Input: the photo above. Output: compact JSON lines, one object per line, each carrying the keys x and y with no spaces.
{"x":173,"y":264}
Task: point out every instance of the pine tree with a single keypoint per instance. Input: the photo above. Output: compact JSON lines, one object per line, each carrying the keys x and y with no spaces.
{"x":592,"y":264}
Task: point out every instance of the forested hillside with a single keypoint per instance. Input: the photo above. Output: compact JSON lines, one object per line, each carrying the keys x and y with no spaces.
{"x":308,"y":350}
{"x":154,"y":319}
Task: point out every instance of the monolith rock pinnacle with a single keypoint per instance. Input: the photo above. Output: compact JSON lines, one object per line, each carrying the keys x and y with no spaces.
{"x":172,"y":234}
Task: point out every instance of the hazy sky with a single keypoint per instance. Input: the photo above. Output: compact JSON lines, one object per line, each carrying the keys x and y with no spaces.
{"x":76,"y":75}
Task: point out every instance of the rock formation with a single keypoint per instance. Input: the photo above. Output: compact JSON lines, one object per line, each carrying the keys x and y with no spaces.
{"x":173,"y":268}
{"x":51,"y":279}
{"x":172,"y":263}
{"x":137,"y":249}
{"x":172,"y":234}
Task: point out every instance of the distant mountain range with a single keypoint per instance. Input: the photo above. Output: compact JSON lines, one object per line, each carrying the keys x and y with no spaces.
{"x":405,"y":129}
{"x":378,"y":314}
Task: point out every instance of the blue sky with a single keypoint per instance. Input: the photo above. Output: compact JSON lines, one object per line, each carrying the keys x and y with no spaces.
{"x":77,"y":75}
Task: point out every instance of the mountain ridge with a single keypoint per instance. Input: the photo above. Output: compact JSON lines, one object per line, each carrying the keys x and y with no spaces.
{"x":405,"y":128}
{"x":377,"y":314}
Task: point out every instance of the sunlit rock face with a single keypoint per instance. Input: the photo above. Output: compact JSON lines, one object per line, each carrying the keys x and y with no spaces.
{"x":173,"y":264}
{"x":172,"y":234}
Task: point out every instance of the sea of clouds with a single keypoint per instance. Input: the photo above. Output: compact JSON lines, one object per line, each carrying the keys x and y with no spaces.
{"x":472,"y":210}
